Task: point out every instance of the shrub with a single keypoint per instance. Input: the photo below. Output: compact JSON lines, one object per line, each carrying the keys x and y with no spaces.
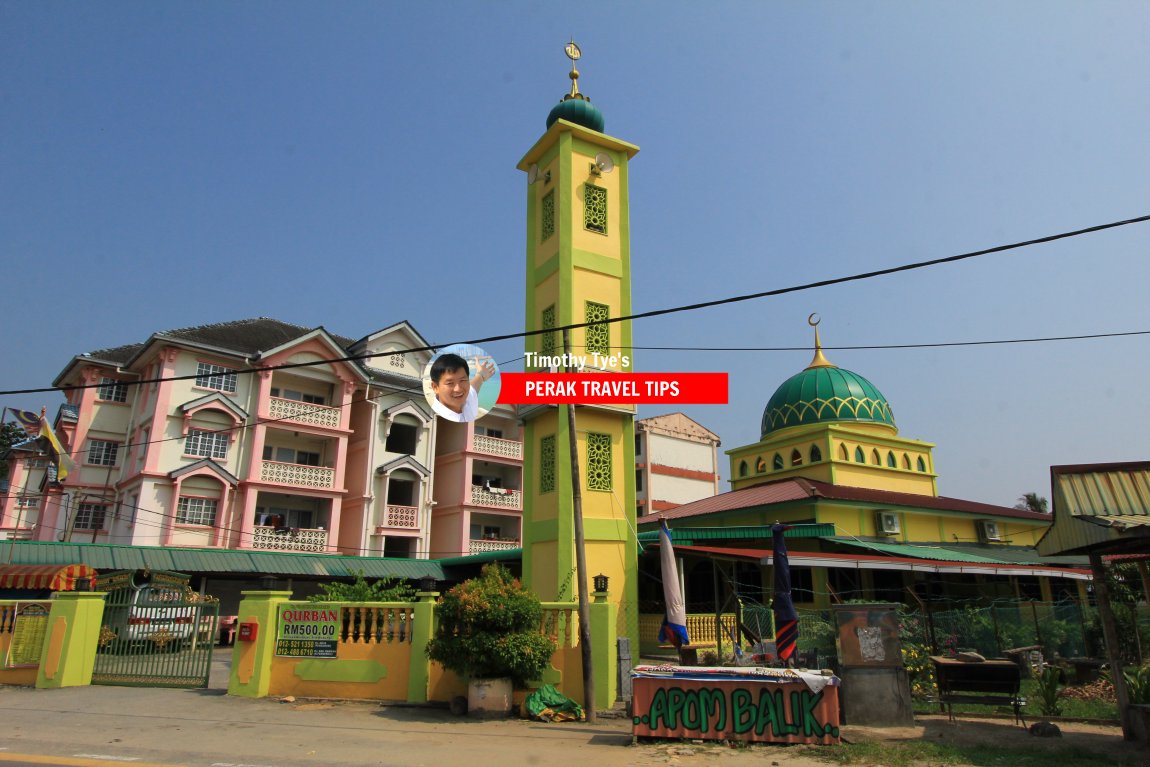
{"x":385,"y":590}
{"x":488,"y":628}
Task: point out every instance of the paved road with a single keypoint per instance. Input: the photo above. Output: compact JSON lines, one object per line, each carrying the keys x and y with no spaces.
{"x":101,"y":726}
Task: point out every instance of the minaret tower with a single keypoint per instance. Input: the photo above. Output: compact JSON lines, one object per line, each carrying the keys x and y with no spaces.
{"x":579,"y":270}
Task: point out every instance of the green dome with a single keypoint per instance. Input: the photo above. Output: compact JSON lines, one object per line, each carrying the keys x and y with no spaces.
{"x":578,"y":110}
{"x":826,"y":394}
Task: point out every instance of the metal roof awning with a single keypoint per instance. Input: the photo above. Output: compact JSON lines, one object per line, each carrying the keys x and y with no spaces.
{"x":103,"y":556}
{"x":52,"y":577}
{"x":688,"y":535}
{"x":887,"y":561}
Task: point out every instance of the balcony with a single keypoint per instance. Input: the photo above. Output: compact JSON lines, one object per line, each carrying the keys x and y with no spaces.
{"x":499,"y":497}
{"x":297,"y":475}
{"x":402,"y":517}
{"x":266,"y":538}
{"x":480,"y":545}
{"x":292,"y":411}
{"x":503,"y":448}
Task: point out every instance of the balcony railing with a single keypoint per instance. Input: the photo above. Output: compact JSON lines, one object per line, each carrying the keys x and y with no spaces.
{"x":480,"y":545}
{"x":504,"y":448}
{"x":406,"y":517}
{"x":503,"y":498}
{"x":303,"y":412}
{"x":298,"y":475}
{"x":269,"y":538}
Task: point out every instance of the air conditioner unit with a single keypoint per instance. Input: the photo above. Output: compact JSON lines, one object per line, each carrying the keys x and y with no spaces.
{"x":988,"y":530}
{"x":887,"y":523}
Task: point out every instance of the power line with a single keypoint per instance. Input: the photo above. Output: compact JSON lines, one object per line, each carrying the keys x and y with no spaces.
{"x":645,"y":315}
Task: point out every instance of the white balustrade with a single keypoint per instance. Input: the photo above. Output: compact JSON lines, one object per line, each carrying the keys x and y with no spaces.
{"x":297,"y":474}
{"x":505,"y":448}
{"x":401,"y":516}
{"x":288,"y":539}
{"x":478,"y":546}
{"x":503,"y":498}
{"x":282,"y":409}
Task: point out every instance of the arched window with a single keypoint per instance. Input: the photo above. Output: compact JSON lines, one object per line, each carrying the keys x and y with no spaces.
{"x":816,"y":454}
{"x":843,"y":456}
{"x":778,"y":462}
{"x":796,"y":458}
{"x":906,"y":461}
{"x":742,"y":468}
{"x":859,"y":457}
{"x":874,"y":458}
{"x":921,"y":464}
{"x":761,"y":465}
{"x":890,"y":460}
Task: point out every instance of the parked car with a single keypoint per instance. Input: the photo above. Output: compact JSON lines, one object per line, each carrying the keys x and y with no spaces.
{"x":149,"y":616}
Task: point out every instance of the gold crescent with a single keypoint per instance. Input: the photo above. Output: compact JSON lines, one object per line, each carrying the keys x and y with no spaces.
{"x":813,"y":319}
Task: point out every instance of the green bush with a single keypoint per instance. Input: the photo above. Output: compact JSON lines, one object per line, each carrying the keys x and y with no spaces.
{"x":489,"y":628}
{"x":385,"y":590}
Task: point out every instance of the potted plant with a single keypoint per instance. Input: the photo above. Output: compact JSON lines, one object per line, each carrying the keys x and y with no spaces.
{"x":488,"y":632}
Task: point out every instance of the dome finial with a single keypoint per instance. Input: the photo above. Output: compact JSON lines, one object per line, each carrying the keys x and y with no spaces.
{"x":573,"y":53}
{"x":574,"y":106}
{"x":819,"y":360}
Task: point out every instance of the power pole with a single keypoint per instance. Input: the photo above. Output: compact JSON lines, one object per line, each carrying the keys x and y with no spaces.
{"x":580,"y":555}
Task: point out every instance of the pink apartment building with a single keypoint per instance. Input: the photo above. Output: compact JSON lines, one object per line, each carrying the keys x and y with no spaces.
{"x":179,"y":443}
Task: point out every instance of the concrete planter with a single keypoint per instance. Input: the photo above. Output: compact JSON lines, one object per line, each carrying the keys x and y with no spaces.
{"x":489,"y":698}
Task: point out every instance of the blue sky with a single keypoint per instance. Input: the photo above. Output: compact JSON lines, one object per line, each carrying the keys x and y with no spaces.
{"x":352,"y":164}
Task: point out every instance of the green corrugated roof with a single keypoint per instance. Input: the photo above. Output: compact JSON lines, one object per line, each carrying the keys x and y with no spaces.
{"x":104,"y":556}
{"x":482,"y":558}
{"x":1099,"y":507}
{"x":688,"y":535}
{"x":1005,"y":555}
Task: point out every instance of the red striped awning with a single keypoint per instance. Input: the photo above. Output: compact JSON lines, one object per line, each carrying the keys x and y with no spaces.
{"x":54,"y":577}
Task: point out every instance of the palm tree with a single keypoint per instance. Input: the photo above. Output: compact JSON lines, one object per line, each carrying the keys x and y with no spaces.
{"x":1032,"y":502}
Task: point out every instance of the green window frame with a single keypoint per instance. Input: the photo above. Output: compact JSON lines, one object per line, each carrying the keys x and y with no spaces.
{"x":597,"y":338}
{"x":547,"y":212}
{"x":547,"y":340}
{"x":547,"y":464}
{"x":594,"y":208}
{"x":599,"y":466}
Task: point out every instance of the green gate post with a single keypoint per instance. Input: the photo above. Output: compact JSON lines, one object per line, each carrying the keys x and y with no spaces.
{"x":69,"y":652}
{"x":252,"y":660}
{"x":423,"y":626}
{"x":604,"y":653}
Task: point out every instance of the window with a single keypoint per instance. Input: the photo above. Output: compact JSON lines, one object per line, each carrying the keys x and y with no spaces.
{"x":196,"y":511}
{"x":547,"y":340}
{"x":599,"y":461}
{"x":27,"y":502}
{"x":402,"y":438}
{"x":921,"y":464}
{"x":297,"y":396}
{"x":90,"y":516}
{"x":742,"y":468}
{"x":777,"y":463}
{"x":760,"y":465}
{"x":595,"y":208}
{"x":489,"y":432}
{"x":547,"y":464}
{"x":796,"y":458}
{"x":816,"y":454}
{"x":548,"y":211}
{"x":291,"y":455}
{"x":101,"y":453}
{"x":209,"y":444}
{"x":209,"y":376}
{"x":111,"y":390}
{"x":859,"y":457}
{"x":906,"y":461}
{"x":638,"y":480}
{"x":843,"y":453}
{"x":597,"y":337}
{"x":890,"y":460}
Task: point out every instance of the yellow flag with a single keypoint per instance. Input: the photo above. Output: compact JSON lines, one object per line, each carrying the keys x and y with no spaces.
{"x":63,"y":461}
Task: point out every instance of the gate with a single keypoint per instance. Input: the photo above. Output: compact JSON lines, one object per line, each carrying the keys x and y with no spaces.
{"x":156,"y":631}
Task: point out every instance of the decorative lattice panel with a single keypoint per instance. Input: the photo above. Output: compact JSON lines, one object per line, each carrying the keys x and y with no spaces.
{"x":598,"y":462}
{"x":547,"y":464}
{"x":547,"y":342}
{"x":548,"y":209}
{"x":598,"y":338}
{"x":595,"y":208}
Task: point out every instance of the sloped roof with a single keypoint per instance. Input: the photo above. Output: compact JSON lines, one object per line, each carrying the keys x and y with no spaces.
{"x":678,"y":425}
{"x":1102,"y":507}
{"x":803,"y":489}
